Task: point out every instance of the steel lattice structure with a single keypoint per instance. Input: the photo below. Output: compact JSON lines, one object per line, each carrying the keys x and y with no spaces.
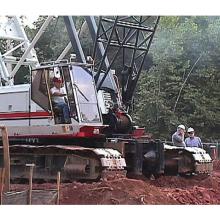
{"x":123,"y":35}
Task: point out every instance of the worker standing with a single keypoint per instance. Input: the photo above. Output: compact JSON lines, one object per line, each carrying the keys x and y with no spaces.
{"x":192,"y":140}
{"x":178,"y":137}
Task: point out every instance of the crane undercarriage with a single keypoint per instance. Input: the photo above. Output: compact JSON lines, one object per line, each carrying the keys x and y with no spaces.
{"x":117,"y":157}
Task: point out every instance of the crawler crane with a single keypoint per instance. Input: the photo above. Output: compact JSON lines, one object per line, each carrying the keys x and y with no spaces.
{"x":101,"y":137}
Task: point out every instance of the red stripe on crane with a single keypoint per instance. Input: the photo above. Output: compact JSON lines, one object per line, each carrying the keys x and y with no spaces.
{"x":24,"y":115}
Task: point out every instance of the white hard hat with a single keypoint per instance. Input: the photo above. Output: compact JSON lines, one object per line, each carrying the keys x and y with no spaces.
{"x":182,"y":127}
{"x":190,"y":130}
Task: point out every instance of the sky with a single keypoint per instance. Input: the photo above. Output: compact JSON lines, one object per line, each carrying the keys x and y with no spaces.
{"x":116,"y":7}
{"x":30,"y":19}
{"x":27,"y":21}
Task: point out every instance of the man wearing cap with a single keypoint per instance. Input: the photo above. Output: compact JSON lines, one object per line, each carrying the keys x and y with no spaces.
{"x":58,"y":94}
{"x":192,"y":140}
{"x":178,"y":137}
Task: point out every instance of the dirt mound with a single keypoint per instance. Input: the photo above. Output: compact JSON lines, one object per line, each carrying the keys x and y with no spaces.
{"x":192,"y":190}
{"x":200,"y":189}
{"x":196,"y":195}
{"x":121,"y":191}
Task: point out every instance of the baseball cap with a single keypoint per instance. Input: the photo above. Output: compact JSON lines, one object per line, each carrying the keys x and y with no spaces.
{"x":190,"y":130}
{"x":182,"y":127}
{"x":55,"y":79}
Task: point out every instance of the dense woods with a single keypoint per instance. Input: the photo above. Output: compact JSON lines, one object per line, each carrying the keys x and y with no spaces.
{"x":181,"y":83}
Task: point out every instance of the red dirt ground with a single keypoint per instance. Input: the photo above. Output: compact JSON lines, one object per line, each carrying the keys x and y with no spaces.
{"x":164,"y":190}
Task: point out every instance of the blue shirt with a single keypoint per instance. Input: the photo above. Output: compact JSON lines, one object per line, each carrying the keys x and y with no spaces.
{"x":193,"y":142}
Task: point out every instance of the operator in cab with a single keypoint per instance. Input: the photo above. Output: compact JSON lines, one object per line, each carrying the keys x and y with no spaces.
{"x":192,"y":140}
{"x":58,"y":95}
{"x":178,"y":136}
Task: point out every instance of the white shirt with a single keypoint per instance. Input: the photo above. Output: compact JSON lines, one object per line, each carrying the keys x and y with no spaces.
{"x":58,"y":99}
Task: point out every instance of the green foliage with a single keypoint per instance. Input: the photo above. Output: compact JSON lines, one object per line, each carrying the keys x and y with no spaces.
{"x":178,"y":43}
{"x":53,"y":41}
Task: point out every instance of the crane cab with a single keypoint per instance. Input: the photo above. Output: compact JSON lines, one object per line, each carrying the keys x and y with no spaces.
{"x":81,"y":96}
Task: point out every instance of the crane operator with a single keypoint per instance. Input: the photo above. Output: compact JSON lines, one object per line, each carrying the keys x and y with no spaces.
{"x":58,"y":93}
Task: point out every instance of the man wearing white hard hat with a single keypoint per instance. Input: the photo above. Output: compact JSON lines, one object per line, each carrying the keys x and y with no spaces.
{"x":192,"y":140}
{"x":178,"y":136}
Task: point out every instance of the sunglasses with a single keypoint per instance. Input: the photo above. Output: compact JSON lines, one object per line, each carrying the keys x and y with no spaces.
{"x":190,"y":132}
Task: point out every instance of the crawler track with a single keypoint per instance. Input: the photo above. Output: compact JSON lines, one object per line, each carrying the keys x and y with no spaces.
{"x":74,"y":162}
